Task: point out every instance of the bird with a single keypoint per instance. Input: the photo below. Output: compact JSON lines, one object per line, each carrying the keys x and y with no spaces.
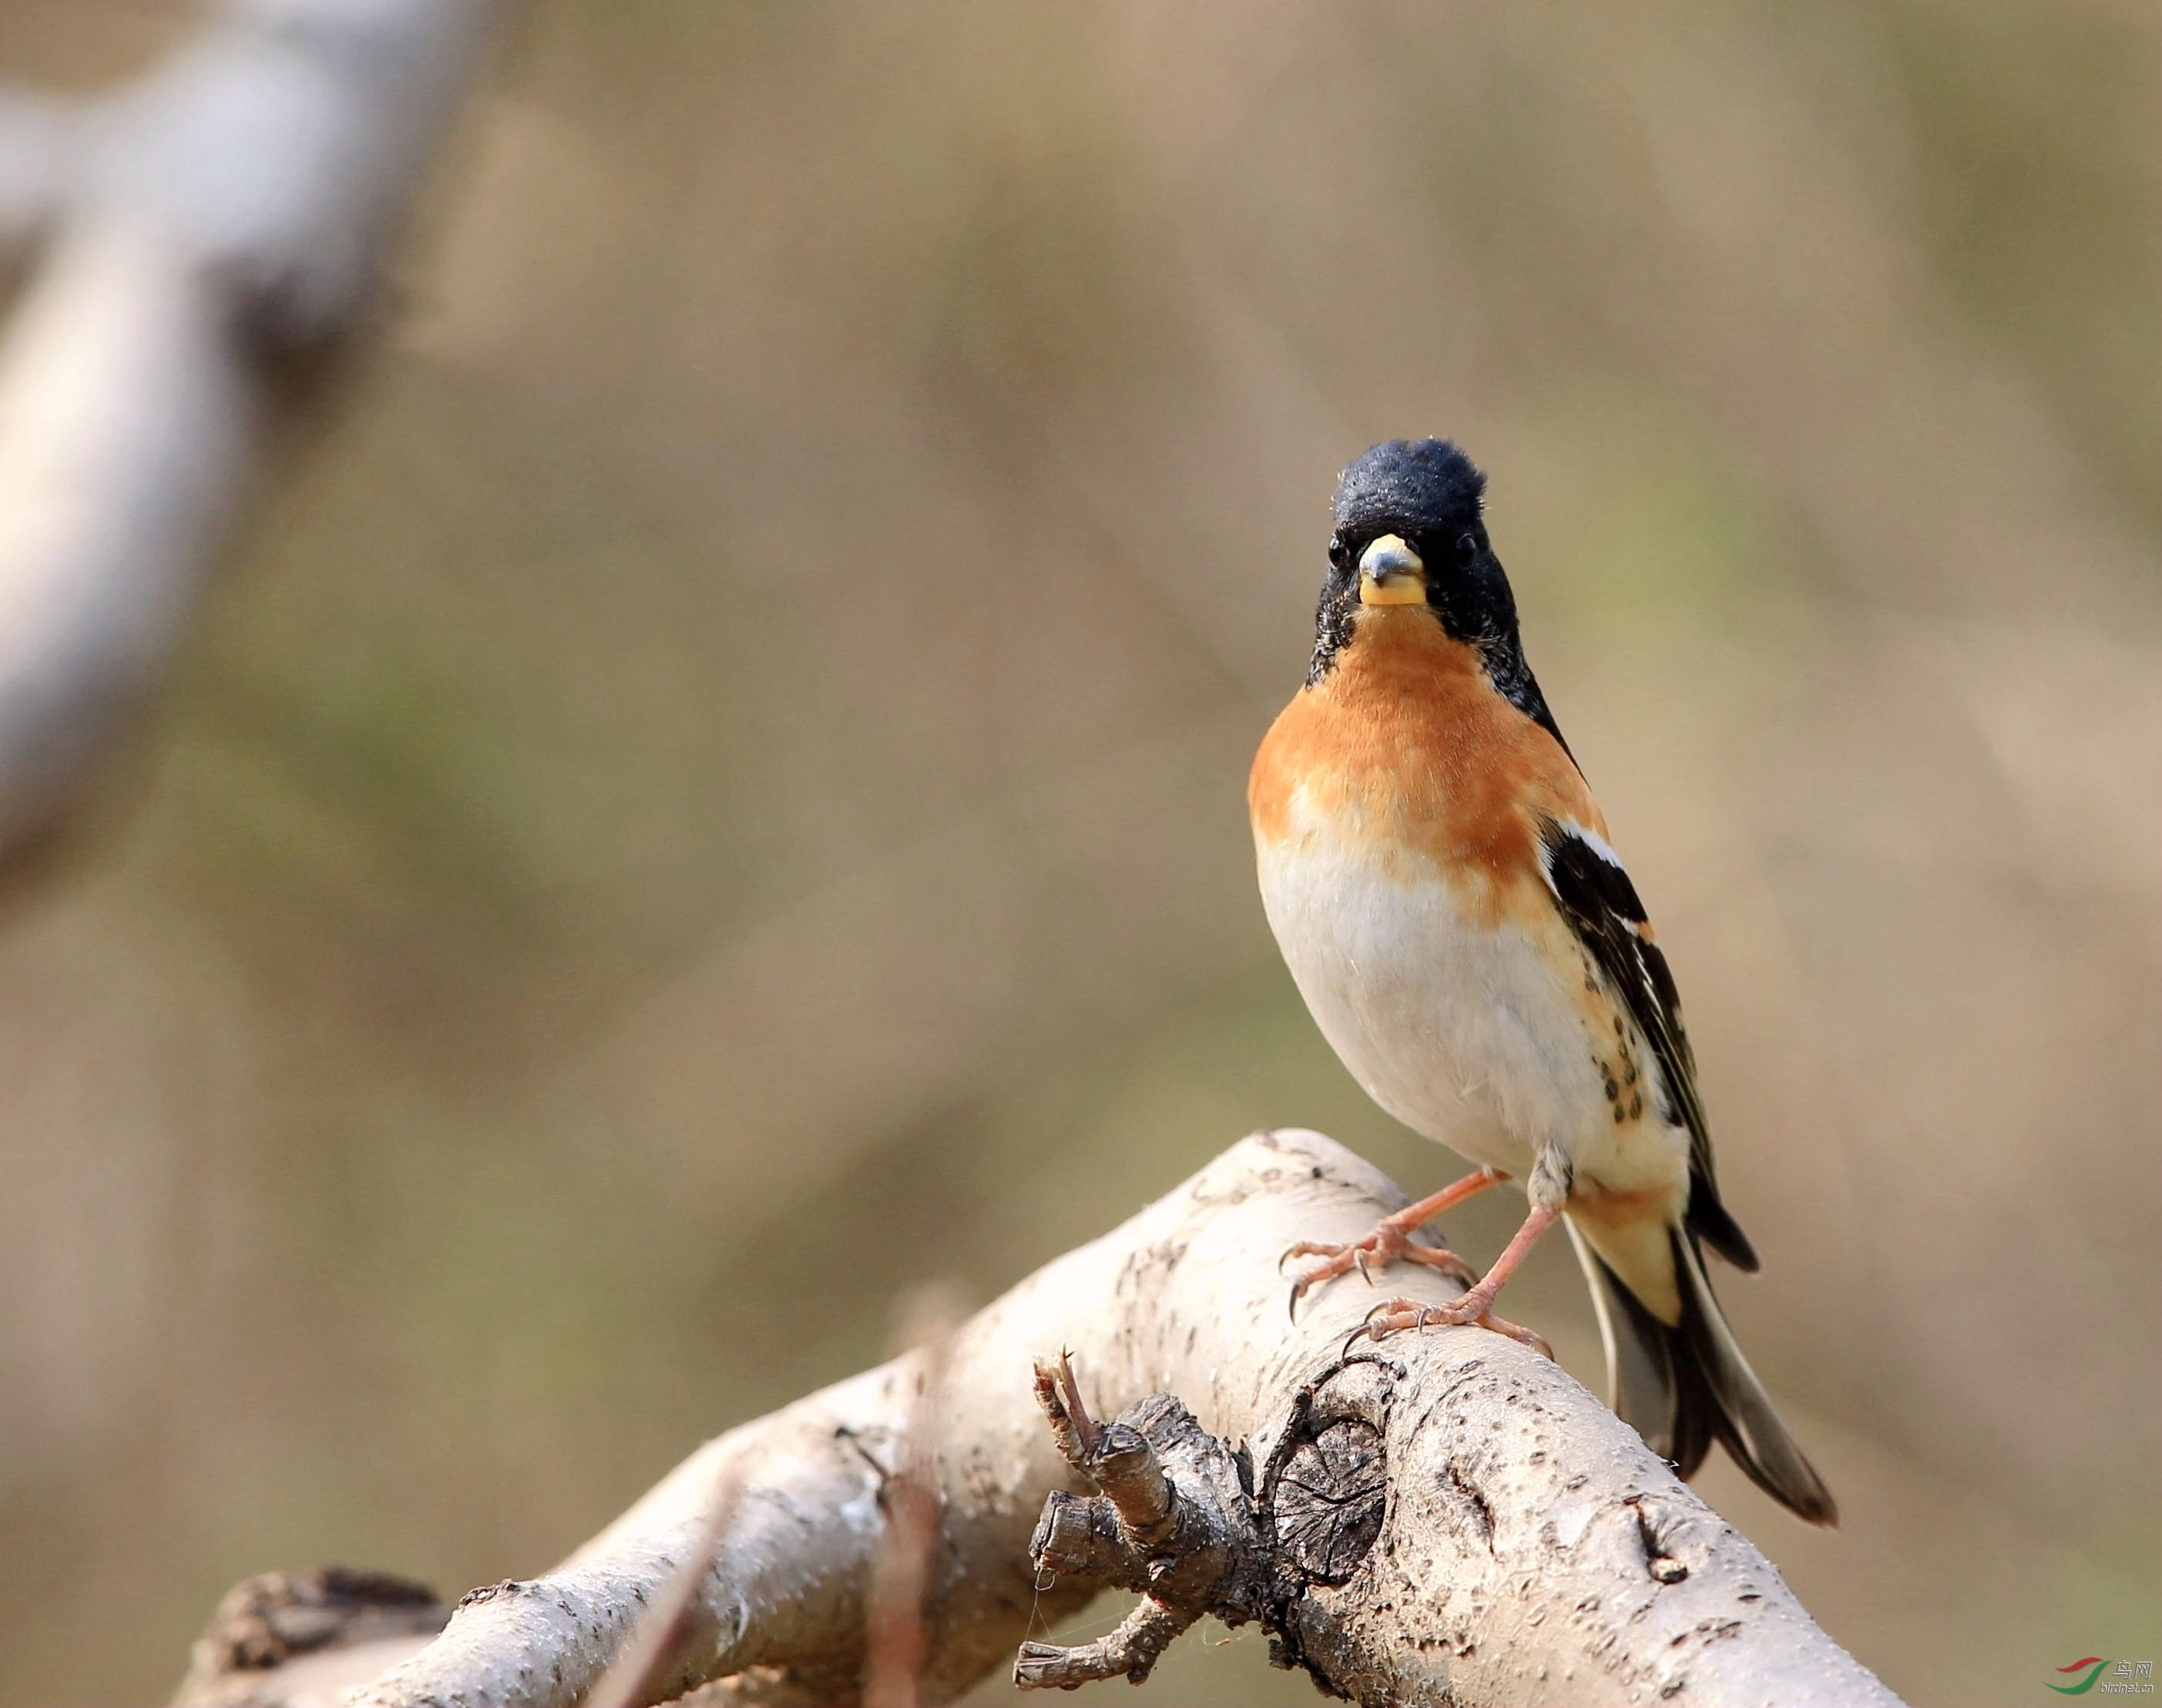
{"x":1438,"y":877}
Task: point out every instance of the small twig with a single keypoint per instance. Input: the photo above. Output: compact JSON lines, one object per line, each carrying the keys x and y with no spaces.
{"x":638,"y":1675}
{"x":1114,"y":1457}
{"x":1189,"y":1544}
{"x":1130,"y":1651}
{"x":896,"y":1643}
{"x":1072,"y":1427}
{"x":897,"y":1637}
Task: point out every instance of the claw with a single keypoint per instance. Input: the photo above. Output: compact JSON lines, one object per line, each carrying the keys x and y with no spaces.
{"x":1376,"y":1325}
{"x":1388,"y":1243}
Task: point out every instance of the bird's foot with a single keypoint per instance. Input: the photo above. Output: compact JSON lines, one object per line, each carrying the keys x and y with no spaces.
{"x":1390,"y":1242}
{"x":1394,"y":1316}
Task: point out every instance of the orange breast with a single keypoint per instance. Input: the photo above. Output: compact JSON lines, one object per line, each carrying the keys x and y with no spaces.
{"x":1406,"y":746}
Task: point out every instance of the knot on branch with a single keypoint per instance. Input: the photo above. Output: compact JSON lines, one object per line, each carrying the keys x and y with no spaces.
{"x":1327,"y":1498}
{"x":275,"y":1618}
{"x":265,"y":1620}
{"x":1177,"y":1518}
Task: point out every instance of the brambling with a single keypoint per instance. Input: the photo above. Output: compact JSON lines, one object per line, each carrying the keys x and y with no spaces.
{"x":1440,"y":878}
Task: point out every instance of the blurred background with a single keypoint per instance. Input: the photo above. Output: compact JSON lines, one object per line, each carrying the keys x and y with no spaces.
{"x":709,"y":790}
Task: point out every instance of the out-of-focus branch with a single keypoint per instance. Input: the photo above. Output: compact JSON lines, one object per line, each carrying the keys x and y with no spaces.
{"x":34,"y":133}
{"x":184,"y":234}
{"x":1448,"y":1517}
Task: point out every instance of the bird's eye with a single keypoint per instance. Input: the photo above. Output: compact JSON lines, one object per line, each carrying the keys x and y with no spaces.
{"x":1339,"y":552}
{"x":1467,"y":547}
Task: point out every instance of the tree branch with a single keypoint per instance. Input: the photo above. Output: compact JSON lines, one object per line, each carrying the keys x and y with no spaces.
{"x":35,"y":132}
{"x":1446,"y":1518}
{"x":230,"y":207}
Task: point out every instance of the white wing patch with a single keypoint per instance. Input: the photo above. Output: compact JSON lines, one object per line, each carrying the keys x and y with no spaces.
{"x":1593,"y":840}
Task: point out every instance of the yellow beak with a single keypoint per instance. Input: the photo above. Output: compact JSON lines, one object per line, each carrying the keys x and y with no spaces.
{"x":1392,"y":573}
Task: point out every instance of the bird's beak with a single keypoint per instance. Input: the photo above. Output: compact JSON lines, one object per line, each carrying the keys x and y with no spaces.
{"x":1392,"y":573}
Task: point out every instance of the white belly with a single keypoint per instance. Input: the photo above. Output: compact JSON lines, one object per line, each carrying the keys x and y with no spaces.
{"x":1462,"y":1032}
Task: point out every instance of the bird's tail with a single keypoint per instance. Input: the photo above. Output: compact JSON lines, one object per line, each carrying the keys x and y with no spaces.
{"x":1684,"y":1386}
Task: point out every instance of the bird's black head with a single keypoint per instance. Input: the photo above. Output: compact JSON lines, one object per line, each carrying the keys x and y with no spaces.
{"x":1423,"y":487}
{"x":1410,"y":530}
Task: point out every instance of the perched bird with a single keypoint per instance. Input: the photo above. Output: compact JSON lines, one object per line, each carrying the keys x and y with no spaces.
{"x":1438,"y":877}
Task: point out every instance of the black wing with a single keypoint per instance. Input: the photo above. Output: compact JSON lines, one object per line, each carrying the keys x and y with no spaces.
{"x":1600,"y":905}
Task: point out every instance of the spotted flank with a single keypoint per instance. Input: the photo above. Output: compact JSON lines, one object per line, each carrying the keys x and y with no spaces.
{"x":1595,"y":895}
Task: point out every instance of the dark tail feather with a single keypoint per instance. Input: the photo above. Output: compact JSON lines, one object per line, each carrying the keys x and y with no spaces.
{"x":1684,"y":1387}
{"x":1709,"y":1220}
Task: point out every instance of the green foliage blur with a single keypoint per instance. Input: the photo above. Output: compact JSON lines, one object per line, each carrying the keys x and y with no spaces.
{"x":710,"y":790}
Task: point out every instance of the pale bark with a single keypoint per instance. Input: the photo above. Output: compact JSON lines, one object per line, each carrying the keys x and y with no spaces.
{"x":1447,"y":1518}
{"x":182,"y":236}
